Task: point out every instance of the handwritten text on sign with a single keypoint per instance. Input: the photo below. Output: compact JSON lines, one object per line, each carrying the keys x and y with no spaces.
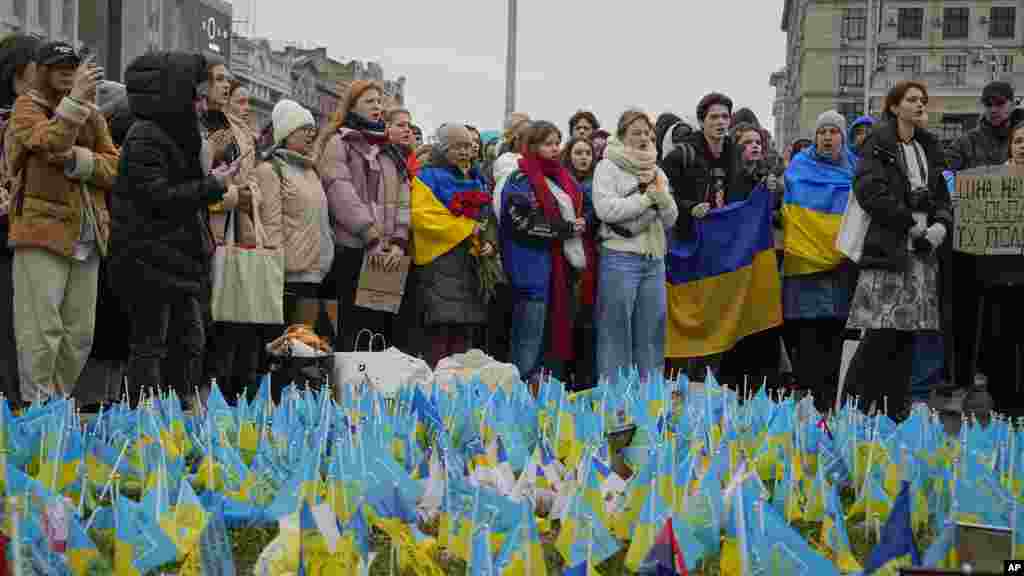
{"x":988,"y":209}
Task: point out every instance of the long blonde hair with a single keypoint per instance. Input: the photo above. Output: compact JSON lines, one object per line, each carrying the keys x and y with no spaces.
{"x":350,"y":95}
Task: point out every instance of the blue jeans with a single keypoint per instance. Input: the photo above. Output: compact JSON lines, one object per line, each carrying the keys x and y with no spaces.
{"x":527,"y":338}
{"x":631,"y":314}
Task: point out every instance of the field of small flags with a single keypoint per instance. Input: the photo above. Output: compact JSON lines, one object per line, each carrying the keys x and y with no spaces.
{"x":625,"y":478}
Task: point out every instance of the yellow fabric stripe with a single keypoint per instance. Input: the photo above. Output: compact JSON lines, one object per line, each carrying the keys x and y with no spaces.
{"x":809,"y":240}
{"x":435,"y":230}
{"x":710,"y":315}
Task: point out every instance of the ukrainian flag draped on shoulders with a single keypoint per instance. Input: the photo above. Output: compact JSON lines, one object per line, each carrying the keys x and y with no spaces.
{"x":436,"y":228}
{"x":723,"y":282}
{"x":812,"y":209}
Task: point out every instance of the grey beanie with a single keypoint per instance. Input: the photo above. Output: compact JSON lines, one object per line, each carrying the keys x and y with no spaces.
{"x":830,"y":118}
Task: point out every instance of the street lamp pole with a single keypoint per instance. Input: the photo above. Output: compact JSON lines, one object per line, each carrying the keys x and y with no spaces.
{"x":510,"y":60}
{"x":869,"y":60}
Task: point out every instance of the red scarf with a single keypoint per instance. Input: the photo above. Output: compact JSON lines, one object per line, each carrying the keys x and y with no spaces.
{"x":536,"y":169}
{"x":412,"y":164}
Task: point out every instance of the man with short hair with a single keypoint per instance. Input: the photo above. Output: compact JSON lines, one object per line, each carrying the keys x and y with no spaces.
{"x":996,"y":279}
{"x":986,"y":144}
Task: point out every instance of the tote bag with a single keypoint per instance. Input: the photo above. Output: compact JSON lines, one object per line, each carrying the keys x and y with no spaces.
{"x":248,"y":283}
{"x":852,"y":229}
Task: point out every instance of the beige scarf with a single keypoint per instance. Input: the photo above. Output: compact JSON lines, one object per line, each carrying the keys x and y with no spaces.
{"x":639,"y":163}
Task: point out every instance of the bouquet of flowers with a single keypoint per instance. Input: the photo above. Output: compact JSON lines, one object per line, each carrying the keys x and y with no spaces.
{"x":476,"y":205}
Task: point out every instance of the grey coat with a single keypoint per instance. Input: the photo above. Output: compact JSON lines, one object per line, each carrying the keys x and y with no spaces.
{"x":450,"y":290}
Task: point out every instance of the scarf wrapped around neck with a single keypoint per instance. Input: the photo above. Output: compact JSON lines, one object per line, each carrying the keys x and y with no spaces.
{"x":537,"y":171}
{"x":639,"y":163}
{"x":376,"y":134}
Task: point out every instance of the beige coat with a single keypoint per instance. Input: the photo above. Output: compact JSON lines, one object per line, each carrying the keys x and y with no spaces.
{"x":293,"y":210}
{"x":242,"y":184}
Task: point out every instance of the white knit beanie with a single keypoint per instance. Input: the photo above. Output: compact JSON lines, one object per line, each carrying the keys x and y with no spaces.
{"x":288,"y":116}
{"x":830,"y":118}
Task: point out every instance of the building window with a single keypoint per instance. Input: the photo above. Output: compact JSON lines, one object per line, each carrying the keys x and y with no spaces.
{"x":67,"y":19}
{"x":851,"y":71}
{"x":1002,"y":22}
{"x":1005,"y":63}
{"x":43,"y":14}
{"x":954,"y":63}
{"x":908,"y":64}
{"x":854,"y":23}
{"x":955,"y":23}
{"x":850,"y":110}
{"x":910,"y":23}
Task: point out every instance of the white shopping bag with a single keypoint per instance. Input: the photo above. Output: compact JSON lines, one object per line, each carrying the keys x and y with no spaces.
{"x":387,"y":370}
{"x":463,"y":367}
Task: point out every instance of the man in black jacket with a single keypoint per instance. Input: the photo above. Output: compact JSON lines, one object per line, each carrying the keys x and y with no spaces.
{"x":161,"y":244}
{"x":995,"y":278}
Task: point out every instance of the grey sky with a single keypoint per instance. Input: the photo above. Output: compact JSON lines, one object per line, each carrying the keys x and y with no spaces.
{"x":600,"y":55}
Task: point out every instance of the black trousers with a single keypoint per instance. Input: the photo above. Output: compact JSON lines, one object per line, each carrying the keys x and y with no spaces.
{"x":880,"y":370}
{"x":753,"y":361}
{"x":9,"y":384}
{"x":235,"y":355}
{"x":341,"y":283}
{"x":168,"y":337}
{"x":816,"y":351}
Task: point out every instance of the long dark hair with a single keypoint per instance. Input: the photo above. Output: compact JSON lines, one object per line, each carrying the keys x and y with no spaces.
{"x":567,"y":159}
{"x":17,"y":51}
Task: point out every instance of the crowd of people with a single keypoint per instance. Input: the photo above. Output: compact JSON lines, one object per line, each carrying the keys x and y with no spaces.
{"x":547,"y":250}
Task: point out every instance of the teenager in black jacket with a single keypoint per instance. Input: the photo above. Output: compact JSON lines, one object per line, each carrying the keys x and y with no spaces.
{"x":161,"y":244}
{"x":899,"y":184}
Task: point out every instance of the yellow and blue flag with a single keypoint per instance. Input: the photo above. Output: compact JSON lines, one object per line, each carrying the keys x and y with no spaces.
{"x":723,"y":284}
{"x":812,"y":209}
{"x":896,"y":549}
{"x":436,"y":231}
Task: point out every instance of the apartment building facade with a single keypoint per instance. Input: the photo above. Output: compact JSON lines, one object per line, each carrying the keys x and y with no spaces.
{"x":843,"y":53}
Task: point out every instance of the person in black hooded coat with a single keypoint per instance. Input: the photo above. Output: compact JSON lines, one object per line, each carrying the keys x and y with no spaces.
{"x":161,"y":244}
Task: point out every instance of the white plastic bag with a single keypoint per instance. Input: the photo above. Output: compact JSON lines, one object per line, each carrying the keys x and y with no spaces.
{"x":387,"y":370}
{"x":463,"y":367}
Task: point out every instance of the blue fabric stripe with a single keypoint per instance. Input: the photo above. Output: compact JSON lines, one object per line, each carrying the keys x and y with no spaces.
{"x":817,"y":185}
{"x":726,"y":240}
{"x":444,"y":183}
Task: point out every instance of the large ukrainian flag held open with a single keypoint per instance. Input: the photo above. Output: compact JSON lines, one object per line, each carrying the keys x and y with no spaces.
{"x":724,"y":283}
{"x":812,"y":210}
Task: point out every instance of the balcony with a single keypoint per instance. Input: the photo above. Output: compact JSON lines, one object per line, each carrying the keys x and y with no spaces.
{"x":970,"y":81}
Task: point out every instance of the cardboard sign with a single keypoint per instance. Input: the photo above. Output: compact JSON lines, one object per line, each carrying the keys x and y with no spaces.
{"x":988,"y":211}
{"x":379,"y":288}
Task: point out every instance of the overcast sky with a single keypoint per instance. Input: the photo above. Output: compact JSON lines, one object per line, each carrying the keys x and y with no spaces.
{"x":599,"y":55}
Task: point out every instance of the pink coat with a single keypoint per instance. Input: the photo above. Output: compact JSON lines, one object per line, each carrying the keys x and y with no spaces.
{"x":365,"y":191}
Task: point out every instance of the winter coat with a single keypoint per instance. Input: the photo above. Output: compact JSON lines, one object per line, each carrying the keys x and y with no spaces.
{"x":983,"y":145}
{"x":230,"y":139}
{"x":448,"y":283}
{"x":293,"y":209}
{"x":616,"y":203}
{"x":526,"y":234}
{"x":55,"y":208}
{"x":883,"y":191}
{"x":160,"y":227}
{"x":689,"y":175}
{"x":366,"y":192}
